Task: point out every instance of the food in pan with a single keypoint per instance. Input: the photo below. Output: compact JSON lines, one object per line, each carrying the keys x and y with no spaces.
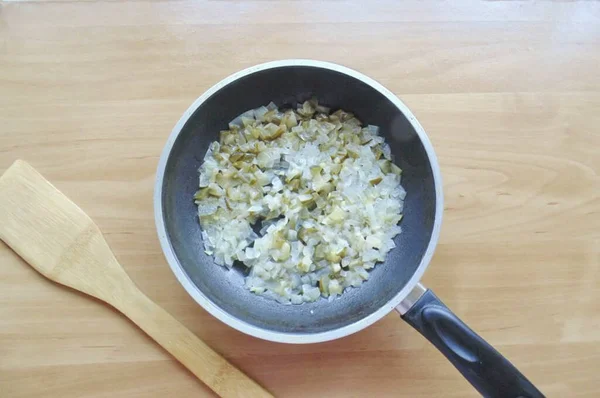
{"x":307,"y":199}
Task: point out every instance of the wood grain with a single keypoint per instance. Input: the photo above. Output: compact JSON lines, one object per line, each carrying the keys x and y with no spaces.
{"x":508,"y":91}
{"x":62,"y":243}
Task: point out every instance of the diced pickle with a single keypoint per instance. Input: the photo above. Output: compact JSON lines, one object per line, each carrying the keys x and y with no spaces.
{"x":201,"y":194}
{"x":395,"y":169}
{"x":376,"y":180}
{"x":306,"y":175}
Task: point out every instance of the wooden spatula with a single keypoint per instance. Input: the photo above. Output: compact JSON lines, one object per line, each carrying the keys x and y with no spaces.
{"x":60,"y":241}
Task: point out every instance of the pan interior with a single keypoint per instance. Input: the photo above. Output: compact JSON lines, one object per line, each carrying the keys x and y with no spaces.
{"x":286,"y":86}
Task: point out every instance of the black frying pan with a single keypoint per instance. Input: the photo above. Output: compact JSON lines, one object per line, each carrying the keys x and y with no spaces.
{"x":392,"y":285}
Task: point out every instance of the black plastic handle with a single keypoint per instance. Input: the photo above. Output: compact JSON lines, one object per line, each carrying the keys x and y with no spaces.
{"x":484,"y":367}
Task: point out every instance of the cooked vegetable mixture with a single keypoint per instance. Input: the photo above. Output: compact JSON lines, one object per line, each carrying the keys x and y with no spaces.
{"x":308,"y":200}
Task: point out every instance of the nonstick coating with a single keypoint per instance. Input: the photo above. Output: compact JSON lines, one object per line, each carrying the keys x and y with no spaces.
{"x":286,"y":86}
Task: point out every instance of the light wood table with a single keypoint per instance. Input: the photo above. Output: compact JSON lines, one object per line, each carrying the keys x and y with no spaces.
{"x":508,"y":91}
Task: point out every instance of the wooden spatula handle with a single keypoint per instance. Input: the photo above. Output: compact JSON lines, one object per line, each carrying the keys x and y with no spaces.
{"x":60,"y":241}
{"x":210,"y":367}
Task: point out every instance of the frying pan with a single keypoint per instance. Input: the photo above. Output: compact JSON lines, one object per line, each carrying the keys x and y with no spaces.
{"x":393,"y":284}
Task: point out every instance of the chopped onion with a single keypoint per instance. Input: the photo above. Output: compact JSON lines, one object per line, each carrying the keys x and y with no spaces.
{"x":323,"y":187}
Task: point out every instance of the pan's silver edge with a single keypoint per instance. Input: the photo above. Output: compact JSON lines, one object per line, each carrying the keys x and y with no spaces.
{"x":295,"y":338}
{"x":413,"y":296}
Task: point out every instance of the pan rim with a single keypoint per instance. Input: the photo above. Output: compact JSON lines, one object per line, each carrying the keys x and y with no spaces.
{"x":239,"y":324}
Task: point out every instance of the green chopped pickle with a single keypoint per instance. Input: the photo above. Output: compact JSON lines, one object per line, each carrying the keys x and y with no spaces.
{"x":201,"y":194}
{"x":308,"y":199}
{"x":376,"y":180}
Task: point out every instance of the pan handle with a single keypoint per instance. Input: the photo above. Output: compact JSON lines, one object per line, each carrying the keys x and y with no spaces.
{"x":484,"y":367}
